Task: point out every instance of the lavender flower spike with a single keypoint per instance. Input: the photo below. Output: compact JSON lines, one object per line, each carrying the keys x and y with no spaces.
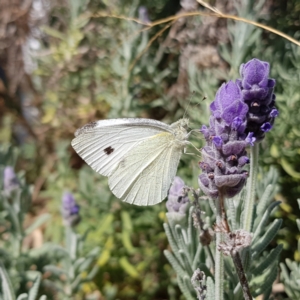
{"x":178,"y":201}
{"x":143,"y":15}
{"x":224,"y":154}
{"x":10,"y":180}
{"x":70,"y":210}
{"x":257,"y":92}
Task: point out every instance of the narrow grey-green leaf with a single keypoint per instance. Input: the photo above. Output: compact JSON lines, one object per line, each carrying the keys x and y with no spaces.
{"x":264,"y":200}
{"x":184,"y":289}
{"x":185,"y":258}
{"x":172,"y":242}
{"x":191,"y":230}
{"x":37,"y":223}
{"x":210,"y":289}
{"x":92,"y":273}
{"x":265,"y":240}
{"x":228,"y":269}
{"x":174,"y":263}
{"x":196,"y":257}
{"x":265,"y":281}
{"x":261,"y":227}
{"x":55,"y":270}
{"x":270,"y":259}
{"x":23,"y":296}
{"x":179,"y":237}
{"x":232,"y":214}
{"x":35,"y":288}
{"x":7,"y":288}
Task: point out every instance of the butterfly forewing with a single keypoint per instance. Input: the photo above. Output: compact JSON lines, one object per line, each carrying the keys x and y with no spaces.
{"x":102,"y":144}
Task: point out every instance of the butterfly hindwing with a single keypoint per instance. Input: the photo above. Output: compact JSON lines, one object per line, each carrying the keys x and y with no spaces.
{"x":144,"y":174}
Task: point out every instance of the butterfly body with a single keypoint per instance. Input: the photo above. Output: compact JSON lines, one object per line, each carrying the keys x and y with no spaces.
{"x":139,"y":156}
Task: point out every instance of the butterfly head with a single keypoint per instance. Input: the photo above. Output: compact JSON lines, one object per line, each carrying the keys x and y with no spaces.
{"x":182,"y":124}
{"x":180,"y":128}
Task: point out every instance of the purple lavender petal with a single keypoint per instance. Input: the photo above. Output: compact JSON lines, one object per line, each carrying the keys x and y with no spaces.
{"x":234,"y":147}
{"x":10,"y":180}
{"x":236,"y":123}
{"x":205,"y":131}
{"x":228,"y":180}
{"x":274,"y":113}
{"x":226,"y":95}
{"x":243,"y":160}
{"x":70,"y":210}
{"x":236,"y":109}
{"x":255,"y":72}
{"x":143,"y":15}
{"x":266,"y":127}
{"x":218,"y":142}
{"x":250,"y":139}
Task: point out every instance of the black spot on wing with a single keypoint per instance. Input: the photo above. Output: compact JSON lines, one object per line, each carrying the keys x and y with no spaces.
{"x":109,"y":150}
{"x":85,"y":128}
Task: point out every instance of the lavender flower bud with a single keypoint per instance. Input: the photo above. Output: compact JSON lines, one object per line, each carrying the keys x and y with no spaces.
{"x":257,"y":92}
{"x":10,"y":180}
{"x":143,"y":15}
{"x":228,"y":103}
{"x":250,"y":139}
{"x":224,"y":154}
{"x":178,"y":201}
{"x":218,"y":142}
{"x":70,"y":210}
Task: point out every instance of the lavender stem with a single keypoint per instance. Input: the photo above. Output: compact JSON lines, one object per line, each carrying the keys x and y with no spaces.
{"x":219,"y":259}
{"x":241,"y":274}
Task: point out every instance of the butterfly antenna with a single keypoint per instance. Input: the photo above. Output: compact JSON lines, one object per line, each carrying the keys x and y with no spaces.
{"x":204,"y":98}
{"x":193,"y":93}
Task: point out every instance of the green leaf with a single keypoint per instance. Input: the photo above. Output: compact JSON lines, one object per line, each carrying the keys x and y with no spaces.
{"x":37,"y":223}
{"x":270,"y":259}
{"x":265,"y":281}
{"x":54,"y":33}
{"x":265,"y":199}
{"x":35,"y":288}
{"x":128,"y":267}
{"x":265,"y":240}
{"x":210,"y":289}
{"x":184,"y":288}
{"x":186,"y":261}
{"x":261,"y":227}
{"x":174,"y":263}
{"x":289,"y":168}
{"x":56,"y":270}
{"x":23,"y":296}
{"x":7,"y":288}
{"x":172,"y":242}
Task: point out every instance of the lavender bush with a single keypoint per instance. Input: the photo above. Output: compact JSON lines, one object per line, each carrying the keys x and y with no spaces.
{"x":61,"y":75}
{"x":50,"y":268}
{"x":241,"y":114}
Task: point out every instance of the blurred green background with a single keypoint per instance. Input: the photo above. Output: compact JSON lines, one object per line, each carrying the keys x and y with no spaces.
{"x":66,"y":63}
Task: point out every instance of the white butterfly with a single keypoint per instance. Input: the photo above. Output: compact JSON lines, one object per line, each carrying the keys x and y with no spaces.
{"x":139,"y":156}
